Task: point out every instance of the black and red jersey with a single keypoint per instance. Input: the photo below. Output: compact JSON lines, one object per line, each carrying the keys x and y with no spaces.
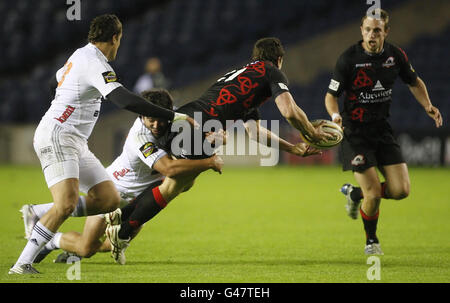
{"x":367,"y":79}
{"x":238,"y":94}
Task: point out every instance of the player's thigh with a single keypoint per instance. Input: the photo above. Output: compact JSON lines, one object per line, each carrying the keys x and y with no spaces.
{"x":171,"y":187}
{"x":397,"y":180}
{"x":369,"y":182}
{"x":95,"y":181}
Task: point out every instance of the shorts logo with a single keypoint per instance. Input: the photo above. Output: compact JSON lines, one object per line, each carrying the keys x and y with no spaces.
{"x":334,"y":85}
{"x":358,"y":160}
{"x":109,"y":77}
{"x":389,"y":62}
{"x":147,"y":149}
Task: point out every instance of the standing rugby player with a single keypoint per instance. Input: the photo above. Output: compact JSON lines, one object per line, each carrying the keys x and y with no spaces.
{"x":60,"y":140}
{"x":366,"y":73}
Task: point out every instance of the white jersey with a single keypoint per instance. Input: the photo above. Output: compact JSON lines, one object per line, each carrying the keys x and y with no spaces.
{"x":132,"y":172}
{"x":82,"y":81}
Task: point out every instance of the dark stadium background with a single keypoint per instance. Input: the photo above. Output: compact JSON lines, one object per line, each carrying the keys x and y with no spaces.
{"x":198,"y":40}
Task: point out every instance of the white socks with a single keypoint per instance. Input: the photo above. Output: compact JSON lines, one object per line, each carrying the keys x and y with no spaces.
{"x":39,"y":237}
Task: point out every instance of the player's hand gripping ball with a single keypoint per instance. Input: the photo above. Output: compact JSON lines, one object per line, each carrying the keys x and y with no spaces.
{"x":329,"y":127}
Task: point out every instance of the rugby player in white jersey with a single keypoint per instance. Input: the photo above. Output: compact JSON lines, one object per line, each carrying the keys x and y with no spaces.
{"x":60,"y":140}
{"x":141,"y":165}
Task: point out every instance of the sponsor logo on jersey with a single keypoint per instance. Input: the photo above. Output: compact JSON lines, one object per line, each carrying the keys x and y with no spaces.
{"x":109,"y":77}
{"x":96,"y":113}
{"x":381,"y":96}
{"x":147,"y":149}
{"x":358,"y":160}
{"x":378,"y":86}
{"x":120,"y":173}
{"x":389,"y":62}
{"x":334,"y":85}
{"x":66,"y":114}
{"x":363,"y":65}
{"x":283,"y":86}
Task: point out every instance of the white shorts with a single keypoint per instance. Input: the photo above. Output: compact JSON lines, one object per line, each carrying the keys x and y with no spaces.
{"x":65,"y":155}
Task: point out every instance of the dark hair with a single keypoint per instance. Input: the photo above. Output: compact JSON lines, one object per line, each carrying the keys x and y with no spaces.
{"x":384,"y":16}
{"x":159,"y":97}
{"x":103,"y":28}
{"x":268,"y":49}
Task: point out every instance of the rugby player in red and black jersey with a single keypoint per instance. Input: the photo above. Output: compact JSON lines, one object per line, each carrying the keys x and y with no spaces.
{"x":235,"y":96}
{"x":366,"y":73}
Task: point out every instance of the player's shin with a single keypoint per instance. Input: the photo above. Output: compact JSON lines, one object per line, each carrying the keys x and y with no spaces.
{"x":148,"y":204}
{"x":370,"y":226}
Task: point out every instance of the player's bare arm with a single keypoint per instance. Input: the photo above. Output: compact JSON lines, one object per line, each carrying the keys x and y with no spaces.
{"x":175,"y":168}
{"x":299,"y":149}
{"x":332,"y":106}
{"x":298,"y":119}
{"x":420,"y":92}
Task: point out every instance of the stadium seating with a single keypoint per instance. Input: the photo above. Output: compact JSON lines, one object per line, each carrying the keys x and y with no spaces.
{"x":193,"y":38}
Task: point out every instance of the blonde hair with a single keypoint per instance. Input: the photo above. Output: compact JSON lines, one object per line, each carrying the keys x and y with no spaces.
{"x":384,"y":16}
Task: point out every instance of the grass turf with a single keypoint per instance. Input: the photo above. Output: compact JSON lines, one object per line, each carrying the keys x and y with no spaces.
{"x":279,"y":224}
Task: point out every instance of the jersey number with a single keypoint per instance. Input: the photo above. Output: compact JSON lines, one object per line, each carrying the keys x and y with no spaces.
{"x":68,"y":67}
{"x":231,"y":75}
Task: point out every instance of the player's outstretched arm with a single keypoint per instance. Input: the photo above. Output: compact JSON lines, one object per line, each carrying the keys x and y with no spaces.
{"x":420,"y":92}
{"x":125,"y":99}
{"x":332,"y":106}
{"x":256,"y":132}
{"x":174,"y":168}
{"x":298,"y":119}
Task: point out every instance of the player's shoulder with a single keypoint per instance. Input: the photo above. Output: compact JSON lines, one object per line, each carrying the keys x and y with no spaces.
{"x":350,"y":52}
{"x":395,"y":50}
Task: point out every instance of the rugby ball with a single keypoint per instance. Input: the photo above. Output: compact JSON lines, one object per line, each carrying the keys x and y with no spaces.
{"x":328,"y":127}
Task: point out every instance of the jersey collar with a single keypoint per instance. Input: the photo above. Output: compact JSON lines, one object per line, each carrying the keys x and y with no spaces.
{"x":368,"y":53}
{"x":98,"y":51}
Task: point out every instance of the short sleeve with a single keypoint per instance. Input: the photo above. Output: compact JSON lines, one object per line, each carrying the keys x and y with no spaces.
{"x":337,"y":83}
{"x":102,"y":76}
{"x":149,"y":153}
{"x":407,"y":72}
{"x":278,"y":81}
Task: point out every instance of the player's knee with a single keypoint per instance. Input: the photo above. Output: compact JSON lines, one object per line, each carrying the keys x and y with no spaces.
{"x":107,"y":201}
{"x":64,"y":210}
{"x":86,"y":251}
{"x":401,"y":193}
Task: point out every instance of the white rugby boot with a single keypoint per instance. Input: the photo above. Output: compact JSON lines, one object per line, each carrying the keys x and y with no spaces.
{"x":114,"y":217}
{"x":352,"y":207}
{"x":23,"y":269}
{"x":373,"y":249}
{"x":118,"y":246}
{"x":29,"y":219}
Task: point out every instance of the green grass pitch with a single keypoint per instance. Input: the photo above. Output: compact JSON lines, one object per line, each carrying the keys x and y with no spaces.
{"x":262,"y":224}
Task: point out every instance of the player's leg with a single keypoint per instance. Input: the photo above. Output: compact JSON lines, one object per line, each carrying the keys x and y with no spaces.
{"x":371,"y":188}
{"x":397,"y":185}
{"x":86,"y":244}
{"x":65,"y":195}
{"x":147,"y":205}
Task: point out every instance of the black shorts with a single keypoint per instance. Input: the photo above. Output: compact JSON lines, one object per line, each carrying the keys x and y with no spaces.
{"x":188,"y":143}
{"x":369,"y":145}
